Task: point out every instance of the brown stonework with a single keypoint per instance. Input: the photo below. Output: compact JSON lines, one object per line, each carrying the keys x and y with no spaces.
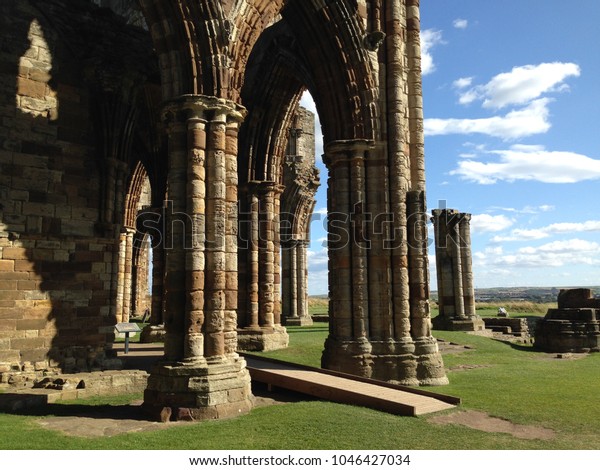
{"x":572,"y":327}
{"x":123,"y":126}
{"x":301,"y":181}
{"x":456,"y":289}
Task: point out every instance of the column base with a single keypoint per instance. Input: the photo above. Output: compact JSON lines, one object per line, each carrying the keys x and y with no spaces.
{"x":405,"y":362}
{"x":474,"y":323}
{"x":153,"y":334}
{"x":262,"y":339}
{"x":198,"y":391}
{"x":299,"y":321}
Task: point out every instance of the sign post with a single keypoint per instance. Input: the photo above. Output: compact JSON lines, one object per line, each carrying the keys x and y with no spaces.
{"x":127,"y":328}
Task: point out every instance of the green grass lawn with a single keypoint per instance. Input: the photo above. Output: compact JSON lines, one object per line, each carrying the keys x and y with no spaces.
{"x":514,"y":382}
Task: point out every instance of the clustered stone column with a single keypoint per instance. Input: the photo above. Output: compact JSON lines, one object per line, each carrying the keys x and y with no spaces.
{"x":260,"y":322}
{"x":456,"y":291}
{"x":141,"y":275}
{"x":379,"y":308}
{"x":201,"y":376}
{"x":150,"y":221}
{"x":124,"y":274}
{"x":301,"y":180}
{"x":295,"y":283}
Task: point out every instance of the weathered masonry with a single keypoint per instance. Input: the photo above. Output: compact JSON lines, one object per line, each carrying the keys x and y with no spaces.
{"x":572,"y":327}
{"x":161,"y":129}
{"x":454,"y":266}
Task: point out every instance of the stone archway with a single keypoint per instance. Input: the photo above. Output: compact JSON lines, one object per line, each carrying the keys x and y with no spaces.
{"x":361,"y":62}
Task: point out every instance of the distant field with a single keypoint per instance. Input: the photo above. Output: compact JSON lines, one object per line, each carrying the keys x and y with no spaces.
{"x":320,"y":306}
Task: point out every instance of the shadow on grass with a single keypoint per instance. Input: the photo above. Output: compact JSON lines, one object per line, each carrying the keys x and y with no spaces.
{"x":520,"y":347}
{"x":116,"y":412}
{"x":308,"y":329}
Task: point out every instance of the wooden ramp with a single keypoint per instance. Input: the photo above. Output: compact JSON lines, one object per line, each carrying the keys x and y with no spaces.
{"x":348,"y":389}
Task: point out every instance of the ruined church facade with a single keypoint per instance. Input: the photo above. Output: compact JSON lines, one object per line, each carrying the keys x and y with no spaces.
{"x":195,"y":100}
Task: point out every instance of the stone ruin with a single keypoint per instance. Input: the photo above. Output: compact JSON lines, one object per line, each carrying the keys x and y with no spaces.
{"x":572,"y":327}
{"x":301,"y":181}
{"x":126,"y":136}
{"x":456,"y":289}
{"x":517,"y":327}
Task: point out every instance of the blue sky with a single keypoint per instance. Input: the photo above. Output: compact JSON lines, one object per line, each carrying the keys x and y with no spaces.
{"x":512,"y":107}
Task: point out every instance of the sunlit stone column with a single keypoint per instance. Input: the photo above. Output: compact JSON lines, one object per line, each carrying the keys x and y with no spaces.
{"x":295,"y":293}
{"x":467,"y":265}
{"x":264,"y":331}
{"x":456,"y":296}
{"x":151,"y":220}
{"x":290,"y":281}
{"x":122,"y":248}
{"x":202,"y":376}
{"x":347,"y":347}
{"x":128,"y":274}
{"x":302,"y":292}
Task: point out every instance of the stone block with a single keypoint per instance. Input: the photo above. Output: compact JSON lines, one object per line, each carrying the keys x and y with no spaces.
{"x":31,"y":88}
{"x":7,"y":265}
{"x":577,"y":298}
{"x":37,"y":324}
{"x":9,"y":356}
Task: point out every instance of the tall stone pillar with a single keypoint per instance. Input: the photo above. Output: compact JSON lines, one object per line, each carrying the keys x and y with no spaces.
{"x":381,"y":332}
{"x":301,"y":181}
{"x":290,"y":281}
{"x":124,"y":275}
{"x":141,"y":275}
{"x":262,"y":330}
{"x":456,"y":293}
{"x":128,"y":274}
{"x":464,"y":229}
{"x":348,"y":347}
{"x":120,"y":284}
{"x":302,"y":271}
{"x":295,"y":286}
{"x":201,"y":376}
{"x":150,"y":221}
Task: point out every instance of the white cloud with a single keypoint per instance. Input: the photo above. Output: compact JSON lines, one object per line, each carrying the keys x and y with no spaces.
{"x":553,"y":229}
{"x":460,"y":23}
{"x":530,"y":163}
{"x":523,"y":88}
{"x":429,"y":39}
{"x":317,"y":260}
{"x":462,"y":83}
{"x":526,"y":209}
{"x":555,"y":254}
{"x":530,"y":120}
{"x":482,"y":223}
{"x":522,"y":85}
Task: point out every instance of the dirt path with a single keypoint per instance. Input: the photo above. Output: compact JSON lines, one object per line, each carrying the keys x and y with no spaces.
{"x":486,"y":423}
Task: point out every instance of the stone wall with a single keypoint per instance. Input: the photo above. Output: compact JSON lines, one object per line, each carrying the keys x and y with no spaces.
{"x":56,"y":267}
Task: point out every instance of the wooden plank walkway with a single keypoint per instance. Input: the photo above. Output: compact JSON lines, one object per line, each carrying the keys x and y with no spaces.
{"x":348,"y":389}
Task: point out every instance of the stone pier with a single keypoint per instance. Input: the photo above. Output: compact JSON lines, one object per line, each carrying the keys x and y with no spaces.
{"x":201,"y":376}
{"x":456,"y":291}
{"x":301,"y":181}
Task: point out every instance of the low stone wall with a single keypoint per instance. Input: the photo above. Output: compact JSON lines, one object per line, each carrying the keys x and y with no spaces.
{"x":19,"y":394}
{"x":510,"y":326}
